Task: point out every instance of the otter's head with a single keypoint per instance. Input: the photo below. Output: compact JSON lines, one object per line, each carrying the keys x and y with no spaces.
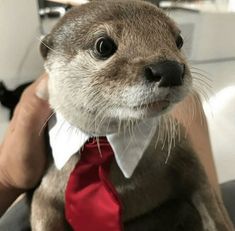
{"x":112,"y":62}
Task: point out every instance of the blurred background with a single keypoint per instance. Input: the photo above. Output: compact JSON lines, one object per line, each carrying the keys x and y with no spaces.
{"x":208,"y":28}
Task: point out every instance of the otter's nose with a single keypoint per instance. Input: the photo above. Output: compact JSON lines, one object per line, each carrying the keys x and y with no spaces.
{"x":167,"y":73}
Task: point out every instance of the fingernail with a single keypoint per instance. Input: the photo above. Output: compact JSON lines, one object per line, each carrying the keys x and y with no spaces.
{"x":42,"y":90}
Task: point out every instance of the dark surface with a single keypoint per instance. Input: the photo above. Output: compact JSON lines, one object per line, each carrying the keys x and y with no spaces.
{"x":228,"y":193}
{"x":10,"y":98}
{"x":17,"y":218}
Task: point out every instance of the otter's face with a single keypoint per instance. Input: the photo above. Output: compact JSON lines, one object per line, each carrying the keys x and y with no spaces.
{"x":114,"y":61}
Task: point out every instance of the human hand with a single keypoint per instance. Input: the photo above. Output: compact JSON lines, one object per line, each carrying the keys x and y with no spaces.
{"x":23,"y":152}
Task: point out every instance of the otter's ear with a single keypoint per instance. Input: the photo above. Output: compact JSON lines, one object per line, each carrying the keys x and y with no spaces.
{"x":46,"y":45}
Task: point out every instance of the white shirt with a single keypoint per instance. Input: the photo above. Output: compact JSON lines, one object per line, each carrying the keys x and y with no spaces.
{"x":66,"y":140}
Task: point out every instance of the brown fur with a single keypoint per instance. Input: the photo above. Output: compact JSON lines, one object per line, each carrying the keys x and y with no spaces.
{"x":173,"y":196}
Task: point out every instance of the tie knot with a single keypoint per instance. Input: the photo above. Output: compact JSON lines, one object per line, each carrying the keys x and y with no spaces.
{"x":97,"y":151}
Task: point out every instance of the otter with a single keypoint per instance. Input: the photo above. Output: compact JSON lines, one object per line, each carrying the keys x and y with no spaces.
{"x":111,"y":65}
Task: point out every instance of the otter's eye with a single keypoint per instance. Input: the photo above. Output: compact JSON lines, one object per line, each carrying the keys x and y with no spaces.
{"x":105,"y":47}
{"x":179,"y":41}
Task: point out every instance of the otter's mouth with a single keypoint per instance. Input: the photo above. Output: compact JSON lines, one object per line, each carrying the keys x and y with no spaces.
{"x":157,"y":106}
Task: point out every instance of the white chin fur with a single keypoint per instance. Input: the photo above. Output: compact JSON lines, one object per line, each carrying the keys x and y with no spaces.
{"x":127,"y":113}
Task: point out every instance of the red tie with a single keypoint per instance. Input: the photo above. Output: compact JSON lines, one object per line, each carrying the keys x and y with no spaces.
{"x":91,"y":202}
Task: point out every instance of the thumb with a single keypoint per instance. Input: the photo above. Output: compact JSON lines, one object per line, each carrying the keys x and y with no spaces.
{"x":33,"y":109}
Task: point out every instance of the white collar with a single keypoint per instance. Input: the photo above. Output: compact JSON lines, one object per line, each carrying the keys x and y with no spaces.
{"x":66,"y":140}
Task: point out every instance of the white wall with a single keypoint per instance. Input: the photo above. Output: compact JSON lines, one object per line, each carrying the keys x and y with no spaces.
{"x":19,"y":40}
{"x":209,"y":36}
{"x":20,"y":60}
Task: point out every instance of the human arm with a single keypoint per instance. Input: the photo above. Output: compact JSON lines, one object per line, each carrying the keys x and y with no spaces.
{"x":22,"y":152}
{"x":191,"y":115}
